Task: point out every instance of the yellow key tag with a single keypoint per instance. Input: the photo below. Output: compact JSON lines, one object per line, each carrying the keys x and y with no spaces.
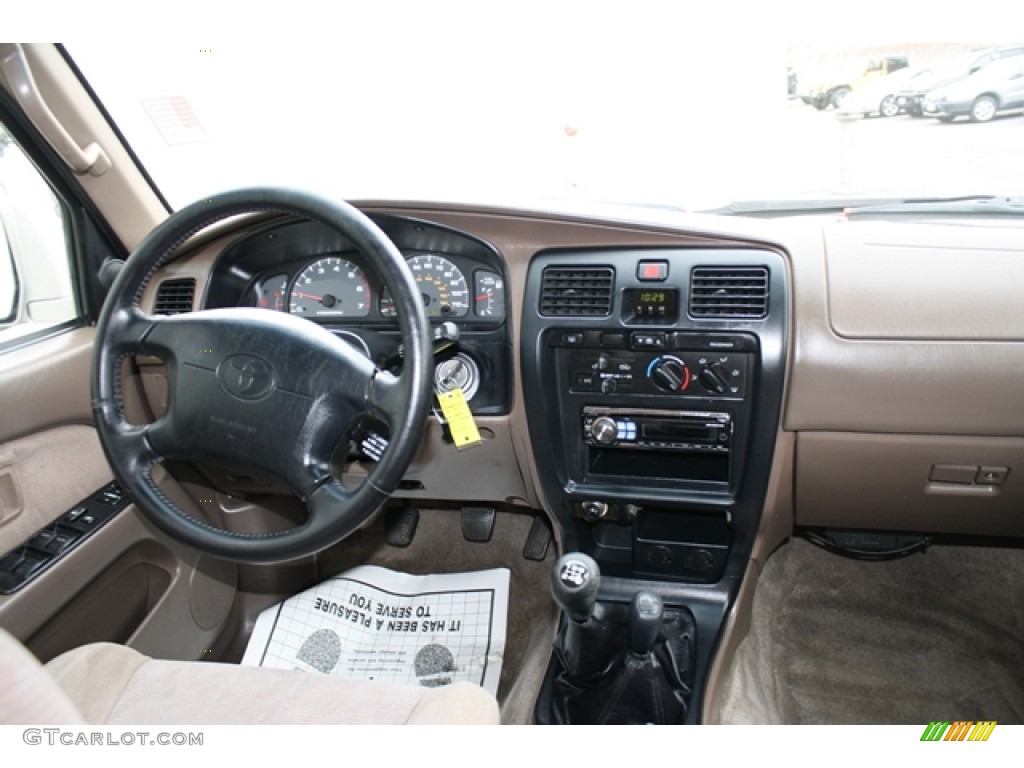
{"x":460,"y":418}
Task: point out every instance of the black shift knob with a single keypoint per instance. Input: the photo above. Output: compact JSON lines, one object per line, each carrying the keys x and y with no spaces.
{"x":574,"y":584}
{"x":645,"y":616}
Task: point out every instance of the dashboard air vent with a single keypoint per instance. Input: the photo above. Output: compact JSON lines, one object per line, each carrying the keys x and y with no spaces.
{"x":577,"y":291}
{"x":175,"y":297}
{"x":729,"y":292}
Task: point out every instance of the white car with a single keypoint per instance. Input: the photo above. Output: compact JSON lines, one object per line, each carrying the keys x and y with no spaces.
{"x":879,"y":96}
{"x":996,"y":88}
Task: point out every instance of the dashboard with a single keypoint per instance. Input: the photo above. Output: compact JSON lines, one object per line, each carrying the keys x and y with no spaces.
{"x":842,"y":393}
{"x":676,"y":393}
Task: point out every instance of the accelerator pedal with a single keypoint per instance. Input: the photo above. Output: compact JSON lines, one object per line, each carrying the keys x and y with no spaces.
{"x":538,"y":539}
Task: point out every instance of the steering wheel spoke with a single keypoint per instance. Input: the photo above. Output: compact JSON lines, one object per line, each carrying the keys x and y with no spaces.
{"x":386,"y":398}
{"x":264,"y":391}
{"x":133,"y":445}
{"x":327,"y":502}
{"x":129,"y":329}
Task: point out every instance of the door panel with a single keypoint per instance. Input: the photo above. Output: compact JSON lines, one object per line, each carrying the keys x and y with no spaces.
{"x":50,"y":457}
{"x":44,"y":475}
{"x":127,"y":582}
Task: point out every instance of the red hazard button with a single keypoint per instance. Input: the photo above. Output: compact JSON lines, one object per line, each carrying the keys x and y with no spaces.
{"x":652,"y":271}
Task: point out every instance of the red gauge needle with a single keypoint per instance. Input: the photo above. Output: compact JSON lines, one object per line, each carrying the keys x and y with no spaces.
{"x":483,"y":296}
{"x":302,"y":295}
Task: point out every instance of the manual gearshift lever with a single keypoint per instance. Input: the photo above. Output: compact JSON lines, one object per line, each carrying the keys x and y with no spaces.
{"x":645,"y":616}
{"x":581,"y":645}
{"x":574,"y":584}
{"x":616,"y":663}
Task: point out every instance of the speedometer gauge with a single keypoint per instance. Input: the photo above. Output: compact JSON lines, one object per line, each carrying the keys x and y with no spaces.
{"x":330,"y":287}
{"x":442,"y":287}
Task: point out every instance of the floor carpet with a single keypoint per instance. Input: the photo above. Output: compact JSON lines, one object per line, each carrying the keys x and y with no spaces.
{"x":934,"y":636}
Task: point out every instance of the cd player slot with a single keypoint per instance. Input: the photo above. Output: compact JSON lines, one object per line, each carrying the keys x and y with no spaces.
{"x":678,"y":432}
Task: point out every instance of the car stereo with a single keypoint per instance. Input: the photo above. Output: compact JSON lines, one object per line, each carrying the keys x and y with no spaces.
{"x":658,"y":430}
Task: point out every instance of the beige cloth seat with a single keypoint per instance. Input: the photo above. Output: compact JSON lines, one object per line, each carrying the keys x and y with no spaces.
{"x":111,"y":684}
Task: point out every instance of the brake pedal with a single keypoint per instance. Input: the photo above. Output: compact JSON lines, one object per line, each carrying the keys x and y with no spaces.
{"x":478,"y":523}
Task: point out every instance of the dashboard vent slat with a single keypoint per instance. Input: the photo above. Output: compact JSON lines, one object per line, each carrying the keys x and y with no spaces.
{"x":577,"y":291}
{"x":175,"y":297}
{"x":729,"y":292}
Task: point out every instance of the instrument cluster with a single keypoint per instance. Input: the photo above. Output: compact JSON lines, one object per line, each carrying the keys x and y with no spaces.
{"x":339,"y":287}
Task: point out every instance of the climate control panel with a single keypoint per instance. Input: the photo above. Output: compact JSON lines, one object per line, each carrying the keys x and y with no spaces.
{"x":680,"y":364}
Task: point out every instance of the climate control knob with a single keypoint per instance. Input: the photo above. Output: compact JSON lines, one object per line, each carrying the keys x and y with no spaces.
{"x":669,"y":374}
{"x":715,"y":378}
{"x":603,"y":430}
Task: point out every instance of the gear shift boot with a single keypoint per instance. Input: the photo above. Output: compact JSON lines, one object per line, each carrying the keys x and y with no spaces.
{"x":616,"y":663}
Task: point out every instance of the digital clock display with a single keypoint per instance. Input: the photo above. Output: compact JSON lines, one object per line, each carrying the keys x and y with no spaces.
{"x":652,"y":297}
{"x":661,"y":306}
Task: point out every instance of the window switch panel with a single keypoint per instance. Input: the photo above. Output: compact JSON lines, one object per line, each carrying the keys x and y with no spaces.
{"x":47,"y":546}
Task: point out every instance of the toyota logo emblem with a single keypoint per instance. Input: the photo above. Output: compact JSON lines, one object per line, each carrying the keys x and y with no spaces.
{"x":246,"y":377}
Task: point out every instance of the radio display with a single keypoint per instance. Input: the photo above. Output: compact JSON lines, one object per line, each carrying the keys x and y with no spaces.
{"x":664,"y":430}
{"x":657,"y":304}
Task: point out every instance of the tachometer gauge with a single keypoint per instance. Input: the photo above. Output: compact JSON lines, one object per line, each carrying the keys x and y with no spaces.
{"x":442,"y":286}
{"x":330,"y":287}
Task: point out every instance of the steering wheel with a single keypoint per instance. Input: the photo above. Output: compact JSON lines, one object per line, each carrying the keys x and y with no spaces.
{"x":260,"y":390}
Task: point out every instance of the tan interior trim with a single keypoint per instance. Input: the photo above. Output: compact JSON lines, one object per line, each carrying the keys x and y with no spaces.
{"x":49,"y":471}
{"x":121,"y":194}
{"x":46,"y":384}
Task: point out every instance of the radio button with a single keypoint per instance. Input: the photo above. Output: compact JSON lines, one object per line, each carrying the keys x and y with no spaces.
{"x":604,"y":430}
{"x":625,"y":431}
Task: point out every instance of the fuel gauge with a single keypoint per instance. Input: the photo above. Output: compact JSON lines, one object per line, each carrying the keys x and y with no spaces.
{"x":270,"y":293}
{"x":489,"y":295}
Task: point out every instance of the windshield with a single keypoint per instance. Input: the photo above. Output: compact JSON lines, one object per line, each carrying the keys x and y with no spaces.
{"x":549,"y":113}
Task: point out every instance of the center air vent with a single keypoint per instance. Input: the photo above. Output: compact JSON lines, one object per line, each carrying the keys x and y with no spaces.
{"x":577,"y":292}
{"x":729,"y":292}
{"x":175,"y":297}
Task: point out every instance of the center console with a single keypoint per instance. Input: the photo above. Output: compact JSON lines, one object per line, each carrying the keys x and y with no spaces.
{"x":653,"y":383}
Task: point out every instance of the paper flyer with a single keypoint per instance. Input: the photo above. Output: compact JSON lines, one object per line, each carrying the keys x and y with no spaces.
{"x":376,"y":624}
